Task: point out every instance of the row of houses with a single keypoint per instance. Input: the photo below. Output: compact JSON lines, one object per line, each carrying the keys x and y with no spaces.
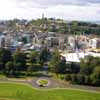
{"x":83,"y":42}
{"x":27,"y":40}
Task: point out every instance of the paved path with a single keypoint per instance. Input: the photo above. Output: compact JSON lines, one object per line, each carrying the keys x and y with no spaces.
{"x":53,"y":84}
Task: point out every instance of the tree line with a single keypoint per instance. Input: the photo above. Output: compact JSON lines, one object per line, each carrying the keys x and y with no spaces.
{"x":87,"y":72}
{"x":12,"y":64}
{"x":57,"y":25}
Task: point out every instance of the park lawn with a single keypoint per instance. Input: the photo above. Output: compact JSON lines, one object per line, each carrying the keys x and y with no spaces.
{"x":14,"y":91}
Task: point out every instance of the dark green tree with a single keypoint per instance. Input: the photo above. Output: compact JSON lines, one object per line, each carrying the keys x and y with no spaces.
{"x":95,"y":77}
{"x":87,"y":65}
{"x":9,"y":68}
{"x":5,"y":56}
{"x":44,"y":55}
{"x":68,"y":77}
{"x":62,"y":67}
{"x":55,"y":61}
{"x":19,"y":61}
{"x":32,"y":61}
{"x":80,"y":79}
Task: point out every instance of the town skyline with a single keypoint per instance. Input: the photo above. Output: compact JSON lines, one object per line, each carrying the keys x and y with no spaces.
{"x":87,"y":10}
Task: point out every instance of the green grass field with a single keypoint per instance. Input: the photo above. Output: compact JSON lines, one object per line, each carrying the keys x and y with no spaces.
{"x":11,"y":91}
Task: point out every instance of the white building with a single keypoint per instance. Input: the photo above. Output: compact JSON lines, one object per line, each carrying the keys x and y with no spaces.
{"x":94,"y":43}
{"x":71,"y":41}
{"x":76,"y":57}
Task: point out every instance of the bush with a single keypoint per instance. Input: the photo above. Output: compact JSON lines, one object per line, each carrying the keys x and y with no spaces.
{"x":68,"y":77}
{"x":75,"y":68}
{"x":74,"y":78}
{"x":95,"y":77}
{"x":62,"y":77}
{"x":87,"y":80}
{"x":80,"y":79}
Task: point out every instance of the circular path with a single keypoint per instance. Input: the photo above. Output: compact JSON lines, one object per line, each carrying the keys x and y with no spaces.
{"x":54,"y":83}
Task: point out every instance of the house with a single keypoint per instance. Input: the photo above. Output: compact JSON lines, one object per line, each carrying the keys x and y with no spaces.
{"x":71,"y":41}
{"x":94,"y":43}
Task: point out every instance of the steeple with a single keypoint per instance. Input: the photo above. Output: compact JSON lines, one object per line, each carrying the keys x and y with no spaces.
{"x":42,"y":15}
{"x":44,"y":22}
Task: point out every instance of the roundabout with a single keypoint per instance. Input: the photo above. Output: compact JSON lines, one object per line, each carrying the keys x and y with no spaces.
{"x":43,"y":82}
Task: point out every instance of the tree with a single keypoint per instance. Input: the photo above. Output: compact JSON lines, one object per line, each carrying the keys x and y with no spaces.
{"x":74,"y":78}
{"x":24,"y":40}
{"x":33,"y":56}
{"x":19,"y":60}
{"x":68,"y":77}
{"x":87,"y":65}
{"x":87,"y":80}
{"x":74,"y":68}
{"x":74,"y":27}
{"x":63,"y":28}
{"x":80,"y":79}
{"x":95,"y":77}
{"x":55,"y":61}
{"x":32,"y":61}
{"x":53,"y":28}
{"x":62,"y":66}
{"x":5,"y":56}
{"x":44,"y":55}
{"x":9,"y":68}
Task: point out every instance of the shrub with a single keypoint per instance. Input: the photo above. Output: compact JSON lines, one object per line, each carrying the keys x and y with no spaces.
{"x":74,"y":78}
{"x":87,"y":80}
{"x":95,"y":77}
{"x":62,"y":77}
{"x":68,"y":77}
{"x":80,"y":79}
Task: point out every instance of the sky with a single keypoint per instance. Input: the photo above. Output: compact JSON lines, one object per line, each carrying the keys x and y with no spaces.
{"x":84,"y":10}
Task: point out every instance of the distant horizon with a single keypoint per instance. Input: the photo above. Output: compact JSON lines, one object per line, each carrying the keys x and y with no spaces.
{"x":91,"y":21}
{"x":82,"y":10}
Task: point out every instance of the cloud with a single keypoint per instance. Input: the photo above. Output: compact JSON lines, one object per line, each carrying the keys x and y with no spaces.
{"x":47,"y":3}
{"x":67,"y":9}
{"x":73,"y":12}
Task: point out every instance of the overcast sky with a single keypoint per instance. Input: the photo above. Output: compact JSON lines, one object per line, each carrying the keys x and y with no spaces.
{"x":86,"y":10}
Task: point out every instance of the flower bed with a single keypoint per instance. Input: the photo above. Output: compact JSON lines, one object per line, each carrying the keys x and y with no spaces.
{"x":42,"y":82}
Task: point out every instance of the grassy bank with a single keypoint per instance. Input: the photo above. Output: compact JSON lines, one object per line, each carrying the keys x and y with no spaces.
{"x":11,"y":91}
